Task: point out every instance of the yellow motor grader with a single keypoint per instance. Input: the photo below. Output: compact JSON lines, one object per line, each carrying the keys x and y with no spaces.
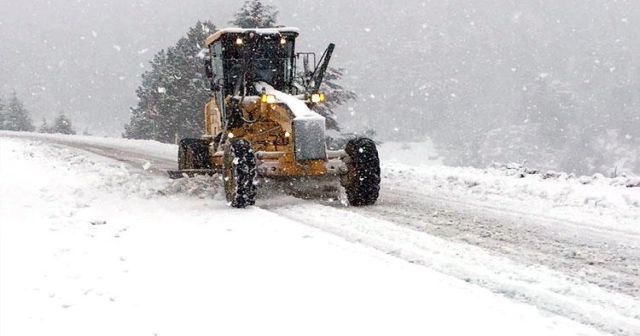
{"x":260,"y":122}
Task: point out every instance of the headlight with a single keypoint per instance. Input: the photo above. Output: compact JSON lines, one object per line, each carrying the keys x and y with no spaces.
{"x":239,"y":41}
{"x":269,"y":99}
{"x":317,"y":98}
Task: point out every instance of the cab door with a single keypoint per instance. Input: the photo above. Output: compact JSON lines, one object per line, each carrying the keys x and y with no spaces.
{"x":218,"y":78}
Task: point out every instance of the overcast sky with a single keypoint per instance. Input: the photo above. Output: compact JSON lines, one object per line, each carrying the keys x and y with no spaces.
{"x":85,"y":57}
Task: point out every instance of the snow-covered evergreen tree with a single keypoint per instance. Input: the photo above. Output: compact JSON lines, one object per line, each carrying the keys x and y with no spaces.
{"x":1,"y":115}
{"x":189,"y":81}
{"x":336,"y":95}
{"x":551,"y":104}
{"x":143,"y":123}
{"x":173,"y":93}
{"x":62,"y":125}
{"x":255,"y":14}
{"x":16,"y":117}
{"x":44,"y":127}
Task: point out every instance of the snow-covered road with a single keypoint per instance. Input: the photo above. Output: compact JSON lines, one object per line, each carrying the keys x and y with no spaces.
{"x":111,"y":239}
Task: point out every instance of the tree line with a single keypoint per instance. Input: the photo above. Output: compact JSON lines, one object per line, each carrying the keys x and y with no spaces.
{"x":553,"y":84}
{"x":15,"y":117}
{"x":174,"y":91}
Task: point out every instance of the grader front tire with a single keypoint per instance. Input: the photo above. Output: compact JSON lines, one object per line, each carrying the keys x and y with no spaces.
{"x":239,"y":174}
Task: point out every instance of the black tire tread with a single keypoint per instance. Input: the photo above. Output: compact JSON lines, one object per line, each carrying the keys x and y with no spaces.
{"x":240,"y":165}
{"x":362,"y":182}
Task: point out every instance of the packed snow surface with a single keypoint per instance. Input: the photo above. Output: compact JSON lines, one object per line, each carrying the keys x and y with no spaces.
{"x":93,"y":241}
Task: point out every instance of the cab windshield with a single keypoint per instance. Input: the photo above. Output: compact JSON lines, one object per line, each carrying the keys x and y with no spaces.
{"x":262,"y":58}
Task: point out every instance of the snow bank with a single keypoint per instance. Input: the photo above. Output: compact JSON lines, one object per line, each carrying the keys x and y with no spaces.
{"x":613,"y":203}
{"x":608,"y":202}
{"x":410,"y":153}
{"x":568,"y":196}
{"x":150,"y":147}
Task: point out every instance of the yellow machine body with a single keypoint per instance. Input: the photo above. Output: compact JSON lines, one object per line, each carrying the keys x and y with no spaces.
{"x":272,"y":138}
{"x":271,"y":132}
{"x":260,"y":122}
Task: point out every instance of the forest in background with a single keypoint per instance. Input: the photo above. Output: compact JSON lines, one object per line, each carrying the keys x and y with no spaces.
{"x":554,"y":85}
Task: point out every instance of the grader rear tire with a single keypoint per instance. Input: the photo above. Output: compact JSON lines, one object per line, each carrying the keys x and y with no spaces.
{"x":362,"y":181}
{"x":239,"y":174}
{"x":193,"y":154}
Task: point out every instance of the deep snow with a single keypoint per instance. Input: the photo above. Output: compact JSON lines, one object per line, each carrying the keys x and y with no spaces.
{"x":89,"y":245}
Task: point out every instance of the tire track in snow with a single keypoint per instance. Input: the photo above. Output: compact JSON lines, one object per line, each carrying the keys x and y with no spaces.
{"x":533,"y":284}
{"x":134,"y":157}
{"x":608,"y":259}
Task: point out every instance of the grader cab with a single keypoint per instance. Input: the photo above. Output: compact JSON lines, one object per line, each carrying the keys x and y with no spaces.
{"x":260,"y":121}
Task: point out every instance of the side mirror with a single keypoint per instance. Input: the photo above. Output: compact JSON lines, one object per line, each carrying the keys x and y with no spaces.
{"x":208,"y":68}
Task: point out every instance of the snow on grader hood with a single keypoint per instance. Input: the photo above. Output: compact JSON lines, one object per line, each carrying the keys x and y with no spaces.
{"x":308,"y":126}
{"x":260,"y":120}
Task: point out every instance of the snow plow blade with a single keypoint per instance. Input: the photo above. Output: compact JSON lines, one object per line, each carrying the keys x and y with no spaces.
{"x":178,"y":174}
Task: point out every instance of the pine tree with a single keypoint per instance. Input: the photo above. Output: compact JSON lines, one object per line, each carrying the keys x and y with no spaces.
{"x":189,"y":81}
{"x":336,"y":95}
{"x":1,"y":115}
{"x":16,"y":117}
{"x":174,"y":91}
{"x":144,"y":123}
{"x":62,"y":125}
{"x":550,"y":104}
{"x":44,"y":127}
{"x":254,"y":14}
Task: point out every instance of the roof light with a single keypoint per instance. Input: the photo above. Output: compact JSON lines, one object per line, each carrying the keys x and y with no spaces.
{"x":269,"y":99}
{"x":283,"y":40}
{"x":317,"y":97}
